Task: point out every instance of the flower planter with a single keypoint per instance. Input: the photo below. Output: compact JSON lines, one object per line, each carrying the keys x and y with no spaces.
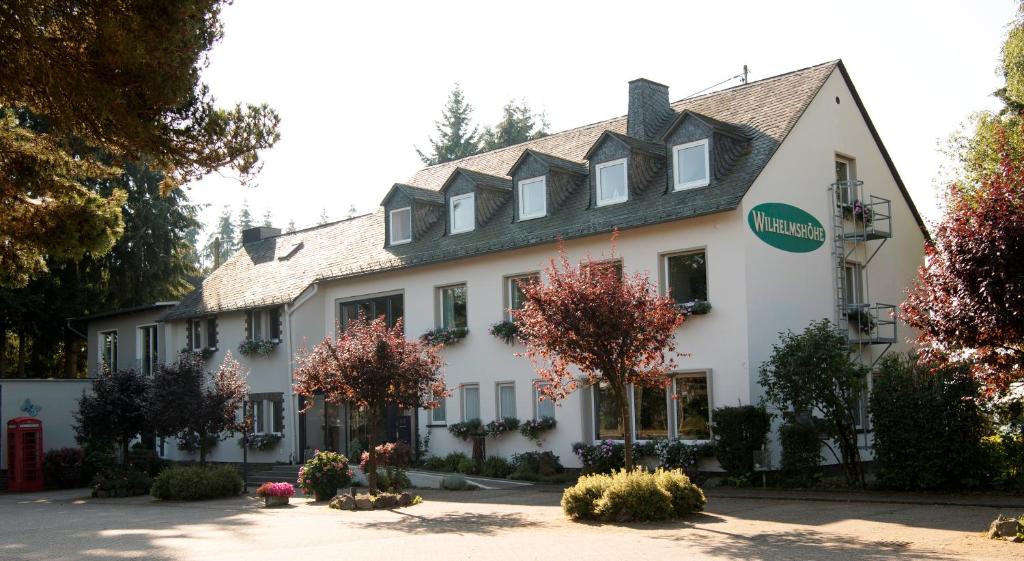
{"x":275,"y":501}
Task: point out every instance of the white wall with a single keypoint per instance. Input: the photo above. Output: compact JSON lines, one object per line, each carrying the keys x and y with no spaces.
{"x":128,"y":351}
{"x":57,"y":401}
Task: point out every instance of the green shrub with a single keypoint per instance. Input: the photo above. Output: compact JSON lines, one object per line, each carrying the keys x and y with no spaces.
{"x":392,"y":480}
{"x":455,"y":482}
{"x":496,"y":466}
{"x":635,"y":495}
{"x":194,"y":483}
{"x":145,"y":460}
{"x":118,"y":483}
{"x":324,"y":473}
{"x":466,"y":466}
{"x":579,"y":502}
{"x":928,"y":426}
{"x":738,"y":432}
{"x":64,"y":468}
{"x":536,"y":463}
{"x":801,"y":453}
{"x":453,"y":460}
{"x":435,"y":463}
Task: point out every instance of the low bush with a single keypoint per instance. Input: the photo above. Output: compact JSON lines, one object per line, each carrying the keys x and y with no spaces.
{"x":324,"y":473}
{"x":466,"y":466}
{"x":738,"y":433}
{"x":119,"y":483}
{"x":607,"y":456}
{"x":145,"y":460}
{"x":453,"y":460}
{"x":193,"y":483}
{"x":496,"y":466}
{"x":801,"y":453}
{"x":64,"y":468}
{"x":392,"y":480}
{"x":455,"y":482}
{"x":536,"y":463}
{"x":435,"y":463}
{"x":395,"y":454}
{"x":929,"y":428}
{"x":635,"y":495}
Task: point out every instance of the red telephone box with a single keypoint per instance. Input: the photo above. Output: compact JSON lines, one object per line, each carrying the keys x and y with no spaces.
{"x":24,"y":454}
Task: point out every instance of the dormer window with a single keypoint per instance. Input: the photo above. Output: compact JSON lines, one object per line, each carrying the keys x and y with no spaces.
{"x":611,"y":182}
{"x":533,"y":198}
{"x":461,"y":209}
{"x":401,"y":225}
{"x":692,"y":165}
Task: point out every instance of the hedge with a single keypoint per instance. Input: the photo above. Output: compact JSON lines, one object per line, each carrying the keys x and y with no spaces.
{"x":195,"y":483}
{"x":637,"y":495}
{"x":738,"y":432}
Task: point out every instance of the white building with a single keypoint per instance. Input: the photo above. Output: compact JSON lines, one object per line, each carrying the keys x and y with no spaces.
{"x":748,"y":198}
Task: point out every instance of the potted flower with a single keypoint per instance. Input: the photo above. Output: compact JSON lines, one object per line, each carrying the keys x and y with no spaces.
{"x":323,"y":474}
{"x":275,"y":494}
{"x":499,"y":427}
{"x":532,"y":429}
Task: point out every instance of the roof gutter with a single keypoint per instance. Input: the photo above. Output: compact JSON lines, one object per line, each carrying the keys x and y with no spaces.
{"x":289,"y":309}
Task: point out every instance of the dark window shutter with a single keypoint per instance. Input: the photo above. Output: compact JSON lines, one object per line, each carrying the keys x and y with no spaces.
{"x":188,"y":335}
{"x":278,"y":416}
{"x":275,"y":323}
{"x":248,"y":324}
{"x":211,"y":333}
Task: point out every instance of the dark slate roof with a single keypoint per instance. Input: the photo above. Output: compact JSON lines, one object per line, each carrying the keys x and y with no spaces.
{"x":415,"y":193}
{"x":480,"y":179}
{"x":765,"y":111}
{"x":551,"y":161}
{"x":124,"y":311}
{"x":721,"y":126}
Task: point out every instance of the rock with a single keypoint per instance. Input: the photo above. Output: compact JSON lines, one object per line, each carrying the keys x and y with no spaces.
{"x":1003,"y":527}
{"x":385,"y":501}
{"x":405,"y":499}
{"x":363,"y":503}
{"x":343,"y":502}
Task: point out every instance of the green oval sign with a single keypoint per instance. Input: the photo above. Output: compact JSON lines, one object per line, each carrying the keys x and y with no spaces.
{"x":786,"y":227}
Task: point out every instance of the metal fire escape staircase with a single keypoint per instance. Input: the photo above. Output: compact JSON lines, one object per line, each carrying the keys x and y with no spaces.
{"x":860,"y":227}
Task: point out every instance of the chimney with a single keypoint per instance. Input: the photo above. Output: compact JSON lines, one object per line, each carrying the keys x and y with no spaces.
{"x":648,"y":108}
{"x":259,"y":233}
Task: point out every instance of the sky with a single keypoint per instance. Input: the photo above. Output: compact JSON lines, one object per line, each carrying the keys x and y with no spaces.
{"x":359,"y":85}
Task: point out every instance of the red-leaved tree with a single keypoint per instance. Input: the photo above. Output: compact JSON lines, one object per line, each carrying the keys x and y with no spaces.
{"x":371,"y":366}
{"x":615,"y":329}
{"x":968,"y":301}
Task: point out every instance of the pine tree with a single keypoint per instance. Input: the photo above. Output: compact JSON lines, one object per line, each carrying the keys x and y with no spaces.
{"x":291,"y":225}
{"x":226,"y":232}
{"x":268,"y":219}
{"x":324,"y":219}
{"x":518,"y":124}
{"x":456,"y":137}
{"x":244,"y":222}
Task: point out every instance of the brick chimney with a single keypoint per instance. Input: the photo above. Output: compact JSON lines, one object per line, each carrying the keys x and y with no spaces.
{"x":259,"y":233}
{"x":648,"y":108}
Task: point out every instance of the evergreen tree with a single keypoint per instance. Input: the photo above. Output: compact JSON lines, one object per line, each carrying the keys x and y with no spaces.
{"x":268,"y":219}
{"x":244,"y":222}
{"x":518,"y":124}
{"x":291,"y":225}
{"x":456,"y":137}
{"x":226,"y":233}
{"x":324,"y":219}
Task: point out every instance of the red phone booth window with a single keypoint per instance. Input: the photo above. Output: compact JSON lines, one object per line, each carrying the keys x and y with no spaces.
{"x":24,"y":454}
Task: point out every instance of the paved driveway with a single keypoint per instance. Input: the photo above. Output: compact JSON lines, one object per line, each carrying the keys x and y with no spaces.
{"x":491,"y":525}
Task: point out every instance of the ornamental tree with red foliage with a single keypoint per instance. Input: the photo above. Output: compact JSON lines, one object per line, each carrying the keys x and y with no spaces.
{"x":968,"y":301}
{"x":614,"y":329}
{"x":371,"y":366}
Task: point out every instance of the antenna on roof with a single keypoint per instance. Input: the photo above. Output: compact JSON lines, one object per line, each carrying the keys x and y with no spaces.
{"x":742,"y":76}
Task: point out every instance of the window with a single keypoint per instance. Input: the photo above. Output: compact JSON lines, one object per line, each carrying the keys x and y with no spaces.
{"x":506,"y":399}
{"x":203,"y":333}
{"x":533,"y":201}
{"x":470,"y":402}
{"x":267,"y":416}
{"x":542,"y":407}
{"x":264,"y":324}
{"x":514,"y":299}
{"x":853,"y":285}
{"x":401,"y":226}
{"x":692,"y":165}
{"x":607,"y":415}
{"x":392,"y":307}
{"x":611,"y":182}
{"x":108,"y":350}
{"x":162,"y":447}
{"x":462,"y":213}
{"x":650,"y":413}
{"x":439,"y":414}
{"x":453,"y":306}
{"x":691,"y":406}
{"x":845,"y":181}
{"x":686,"y":276}
{"x":147,"y":345}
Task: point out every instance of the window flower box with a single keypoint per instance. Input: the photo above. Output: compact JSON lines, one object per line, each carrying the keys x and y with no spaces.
{"x":533,"y":428}
{"x":262,"y":442}
{"x":444,"y":335}
{"x":499,"y":427}
{"x":695,"y":307}
{"x":259,"y":347}
{"x":467,"y":429}
{"x":506,"y":331}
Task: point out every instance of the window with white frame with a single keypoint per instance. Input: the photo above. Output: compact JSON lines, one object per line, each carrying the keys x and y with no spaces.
{"x":612,"y":183}
{"x":845,"y":181}
{"x":686,"y":276}
{"x":470,"y":402}
{"x":854,"y":284}
{"x":506,"y":399}
{"x":439,"y":414}
{"x":147,"y":345}
{"x":692,"y":165}
{"x":267,"y":416}
{"x":462,"y":211}
{"x":691,"y":406}
{"x":401,"y":225}
{"x":108,"y":349}
{"x":607,"y":417}
{"x":650,"y":413}
{"x":514,"y":298}
{"x":542,"y":407}
{"x":264,"y":324}
{"x":533,"y":199}
{"x":454,"y":310}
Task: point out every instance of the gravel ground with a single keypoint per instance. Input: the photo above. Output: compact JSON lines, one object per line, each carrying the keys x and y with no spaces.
{"x":492,"y":525}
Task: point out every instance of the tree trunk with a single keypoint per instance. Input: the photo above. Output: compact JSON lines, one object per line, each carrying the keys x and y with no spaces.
{"x":627,"y":430}
{"x":371,"y":438}
{"x":70,"y":355}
